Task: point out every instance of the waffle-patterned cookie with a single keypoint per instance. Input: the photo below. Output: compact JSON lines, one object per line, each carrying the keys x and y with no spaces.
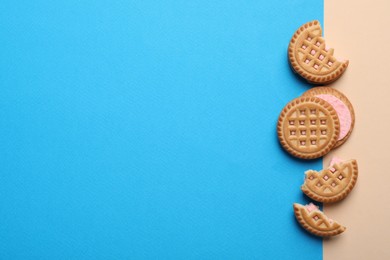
{"x":332,"y":184}
{"x":311,"y":59}
{"x":343,"y":107}
{"x":315,"y":221}
{"x":308,"y":127}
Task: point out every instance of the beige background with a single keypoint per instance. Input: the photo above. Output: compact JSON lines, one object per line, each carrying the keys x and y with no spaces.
{"x":360,"y":30}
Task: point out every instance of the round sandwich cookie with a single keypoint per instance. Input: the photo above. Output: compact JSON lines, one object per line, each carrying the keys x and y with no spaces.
{"x":308,"y":127}
{"x":343,"y":107}
{"x":312,"y":219}
{"x":333,"y":183}
{"x":311,"y":59}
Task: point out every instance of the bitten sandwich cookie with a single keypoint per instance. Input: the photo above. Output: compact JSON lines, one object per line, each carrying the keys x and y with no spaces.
{"x":332,"y":184}
{"x":343,"y":107}
{"x":311,"y":59}
{"x":315,"y":221}
{"x":308,"y":127}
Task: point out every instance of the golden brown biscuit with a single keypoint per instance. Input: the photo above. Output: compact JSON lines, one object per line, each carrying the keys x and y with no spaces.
{"x":332,"y":184}
{"x":308,"y":127}
{"x":311,"y":59}
{"x":315,"y":221}
{"x":343,"y":107}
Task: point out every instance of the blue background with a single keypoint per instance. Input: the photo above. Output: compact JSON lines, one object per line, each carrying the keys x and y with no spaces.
{"x":146,"y":130}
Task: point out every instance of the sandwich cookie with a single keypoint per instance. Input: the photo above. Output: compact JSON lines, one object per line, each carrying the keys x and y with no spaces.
{"x":343,"y":107}
{"x":311,"y":59}
{"x":315,"y":221}
{"x":308,"y":127}
{"x":332,"y":184}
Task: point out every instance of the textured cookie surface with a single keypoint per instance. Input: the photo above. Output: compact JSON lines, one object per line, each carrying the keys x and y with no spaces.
{"x":332,"y":184}
{"x":311,"y":59}
{"x":308,"y":127}
{"x":343,"y":107}
{"x":315,"y":221}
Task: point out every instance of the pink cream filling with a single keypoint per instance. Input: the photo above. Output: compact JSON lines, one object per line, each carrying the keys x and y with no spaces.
{"x":333,"y":162}
{"x":342,"y":112}
{"x":311,"y":207}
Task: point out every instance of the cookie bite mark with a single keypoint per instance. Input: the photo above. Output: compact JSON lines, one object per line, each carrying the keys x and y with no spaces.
{"x":334,"y":161}
{"x":315,"y":221}
{"x":331,"y":184}
{"x":311,"y":207}
{"x":311,"y":58}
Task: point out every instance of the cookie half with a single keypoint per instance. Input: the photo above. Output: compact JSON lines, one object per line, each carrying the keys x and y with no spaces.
{"x":311,"y":59}
{"x":315,"y":221}
{"x":308,"y":127}
{"x":343,"y":107}
{"x":332,"y":184}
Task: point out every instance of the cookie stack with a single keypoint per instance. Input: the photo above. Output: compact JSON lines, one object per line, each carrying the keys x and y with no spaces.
{"x":319,"y":121}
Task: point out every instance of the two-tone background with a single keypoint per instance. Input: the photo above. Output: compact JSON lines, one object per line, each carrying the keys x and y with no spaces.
{"x":146,"y":129}
{"x":355,"y":28}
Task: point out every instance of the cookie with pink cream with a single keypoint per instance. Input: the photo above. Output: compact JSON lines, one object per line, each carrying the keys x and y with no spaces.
{"x":343,"y":107}
{"x":312,"y":219}
{"x":333,"y":183}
